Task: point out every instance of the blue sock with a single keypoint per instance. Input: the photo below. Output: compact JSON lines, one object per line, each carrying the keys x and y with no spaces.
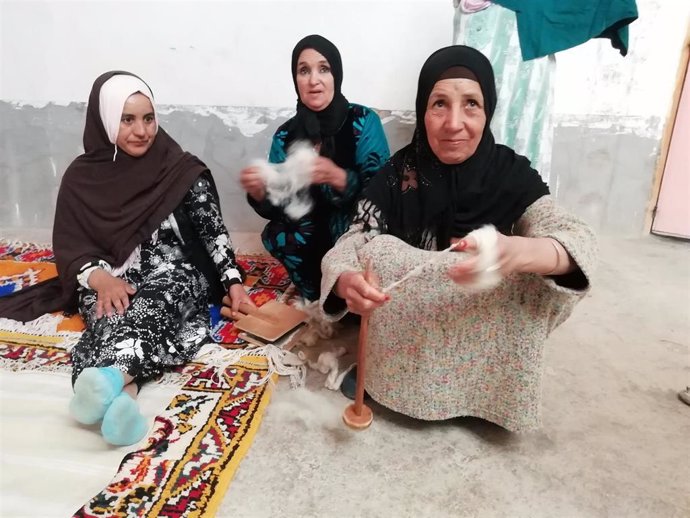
{"x":123,"y":424}
{"x":348,"y":387}
{"x":94,"y":390}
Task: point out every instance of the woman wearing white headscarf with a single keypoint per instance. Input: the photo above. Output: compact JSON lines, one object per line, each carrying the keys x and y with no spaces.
{"x":141,"y":248}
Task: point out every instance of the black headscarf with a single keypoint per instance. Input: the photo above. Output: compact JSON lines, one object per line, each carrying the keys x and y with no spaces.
{"x":106,"y":208}
{"x":493,"y":186}
{"x":321,"y":126}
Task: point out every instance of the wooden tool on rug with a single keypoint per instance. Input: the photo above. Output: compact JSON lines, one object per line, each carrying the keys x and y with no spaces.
{"x":268,"y":322}
{"x":358,"y":415}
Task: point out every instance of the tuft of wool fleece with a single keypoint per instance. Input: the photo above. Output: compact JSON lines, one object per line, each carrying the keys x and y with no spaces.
{"x":287,"y":184}
{"x":307,"y":408}
{"x":488,"y":273}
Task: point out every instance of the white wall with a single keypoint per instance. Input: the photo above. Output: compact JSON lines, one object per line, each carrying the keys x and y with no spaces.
{"x":237,"y":53}
{"x":594,"y":81}
{"x":234,"y":53}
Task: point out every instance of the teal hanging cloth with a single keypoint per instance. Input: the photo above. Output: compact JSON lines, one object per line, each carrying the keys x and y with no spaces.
{"x":549,"y":26}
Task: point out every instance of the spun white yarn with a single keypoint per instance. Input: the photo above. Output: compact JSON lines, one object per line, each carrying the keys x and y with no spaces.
{"x":487,"y":271}
{"x":281,"y":362}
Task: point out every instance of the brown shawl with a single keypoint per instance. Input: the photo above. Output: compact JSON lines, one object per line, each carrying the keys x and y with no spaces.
{"x":105,"y":208}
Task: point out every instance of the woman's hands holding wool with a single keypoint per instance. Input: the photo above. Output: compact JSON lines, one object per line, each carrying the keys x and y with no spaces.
{"x":362,"y":297}
{"x":326,"y":172}
{"x":516,"y":254}
{"x":512,"y":252}
{"x":253,"y":182}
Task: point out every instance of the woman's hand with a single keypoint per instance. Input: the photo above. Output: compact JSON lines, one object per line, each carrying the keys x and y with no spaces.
{"x":512,"y":255}
{"x":361,"y":297}
{"x":516,"y":254}
{"x":326,"y":172}
{"x":238,"y":295}
{"x":252,"y":182}
{"x":113,"y":293}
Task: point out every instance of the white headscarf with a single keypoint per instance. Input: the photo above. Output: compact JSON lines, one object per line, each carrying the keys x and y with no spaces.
{"x":111,"y":102}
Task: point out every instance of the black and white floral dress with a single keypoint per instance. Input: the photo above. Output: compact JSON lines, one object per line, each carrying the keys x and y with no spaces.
{"x":167,"y":320}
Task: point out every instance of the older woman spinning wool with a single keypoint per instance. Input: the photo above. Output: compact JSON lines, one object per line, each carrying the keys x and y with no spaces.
{"x":439,"y":346}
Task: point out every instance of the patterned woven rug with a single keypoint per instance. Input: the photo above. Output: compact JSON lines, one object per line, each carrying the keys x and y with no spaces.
{"x":184,"y":466}
{"x":25,"y":264}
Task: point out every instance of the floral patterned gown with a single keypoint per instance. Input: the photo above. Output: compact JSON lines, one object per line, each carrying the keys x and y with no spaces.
{"x":167,"y":320}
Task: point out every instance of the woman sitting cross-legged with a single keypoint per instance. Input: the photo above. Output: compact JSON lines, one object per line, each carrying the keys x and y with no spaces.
{"x":141,"y":249}
{"x":449,"y":342}
{"x":351,"y":145}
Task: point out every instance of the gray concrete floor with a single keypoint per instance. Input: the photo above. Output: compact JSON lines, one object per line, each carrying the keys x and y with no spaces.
{"x":615,"y":442}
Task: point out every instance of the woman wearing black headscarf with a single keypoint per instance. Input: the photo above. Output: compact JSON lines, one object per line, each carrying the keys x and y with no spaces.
{"x":438,"y":346}
{"x":351,"y":145}
{"x":141,"y":248}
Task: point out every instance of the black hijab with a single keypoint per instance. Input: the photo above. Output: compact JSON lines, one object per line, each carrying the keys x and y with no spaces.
{"x":322,"y":126}
{"x":106,"y":208}
{"x":416,"y":192}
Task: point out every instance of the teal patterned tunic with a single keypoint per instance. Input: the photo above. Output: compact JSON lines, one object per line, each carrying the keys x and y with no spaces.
{"x":361,"y":149}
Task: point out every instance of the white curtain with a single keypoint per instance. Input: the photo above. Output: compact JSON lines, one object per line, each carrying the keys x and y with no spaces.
{"x":523,"y":118}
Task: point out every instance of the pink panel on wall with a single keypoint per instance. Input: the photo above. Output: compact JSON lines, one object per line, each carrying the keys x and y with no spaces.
{"x":673,"y":208}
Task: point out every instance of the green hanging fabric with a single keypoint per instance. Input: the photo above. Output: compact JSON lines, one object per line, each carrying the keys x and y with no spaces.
{"x":549,"y":26}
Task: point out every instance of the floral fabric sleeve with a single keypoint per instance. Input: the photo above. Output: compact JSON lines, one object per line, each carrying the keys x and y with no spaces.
{"x":86,"y":270}
{"x":203,"y":208}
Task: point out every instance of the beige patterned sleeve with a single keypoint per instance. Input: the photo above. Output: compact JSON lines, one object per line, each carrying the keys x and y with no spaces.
{"x":344,"y":257}
{"x":545,"y":219}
